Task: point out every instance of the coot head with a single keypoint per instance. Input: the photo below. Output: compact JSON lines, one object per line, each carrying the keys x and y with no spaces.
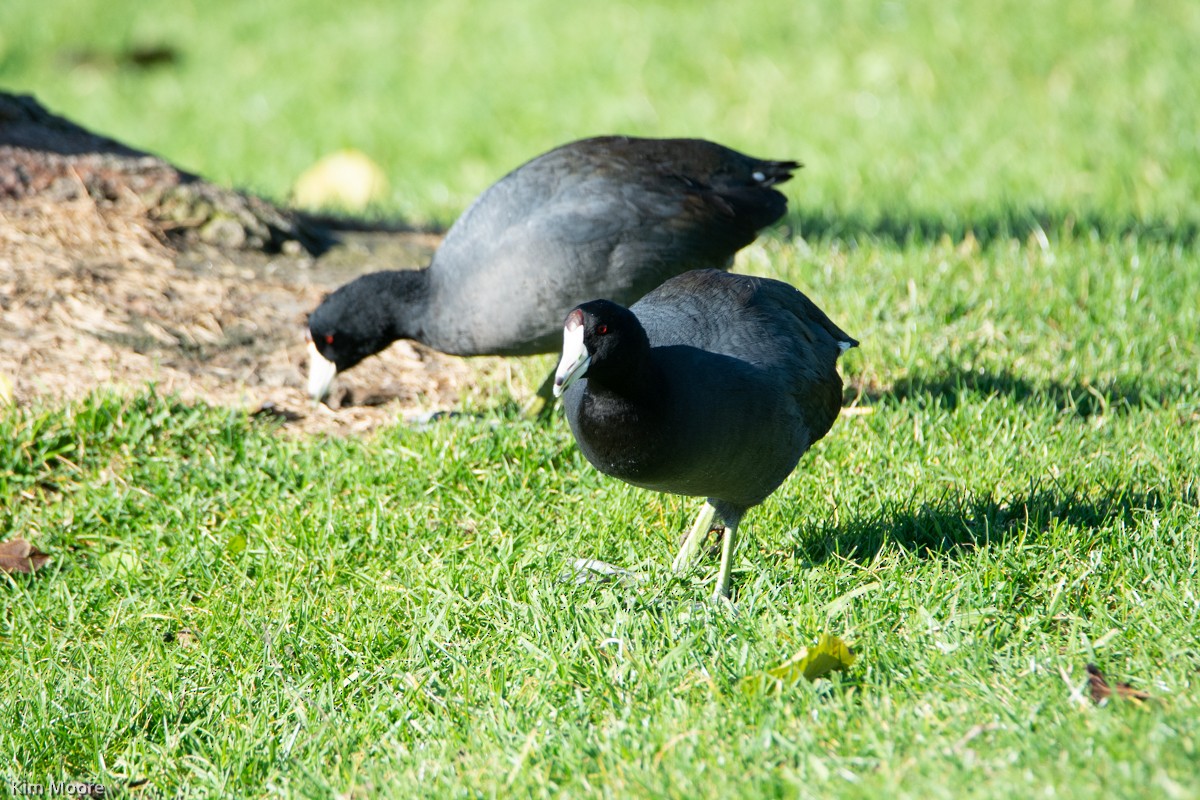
{"x":344,"y":330}
{"x":603,"y":339}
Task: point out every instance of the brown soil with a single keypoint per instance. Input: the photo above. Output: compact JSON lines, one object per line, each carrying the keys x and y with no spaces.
{"x":118,"y":270}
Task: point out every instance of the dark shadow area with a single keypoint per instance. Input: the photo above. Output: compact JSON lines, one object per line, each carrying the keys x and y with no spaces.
{"x":988,"y":227}
{"x":26,"y":124}
{"x":950,"y":388}
{"x":147,"y":55}
{"x":49,"y":159}
{"x":339,"y":222}
{"x":957,"y":523}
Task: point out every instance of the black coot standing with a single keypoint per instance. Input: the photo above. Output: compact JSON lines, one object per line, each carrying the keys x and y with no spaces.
{"x":607,"y":217}
{"x":711,"y":385}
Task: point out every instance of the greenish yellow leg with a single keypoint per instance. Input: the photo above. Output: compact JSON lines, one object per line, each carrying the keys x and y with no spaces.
{"x":726,"y":574}
{"x":691,"y":544}
{"x":541,"y":405}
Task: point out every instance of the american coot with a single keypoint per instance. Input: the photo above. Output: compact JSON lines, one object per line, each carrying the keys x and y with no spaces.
{"x":713,"y":384}
{"x":607,"y":217}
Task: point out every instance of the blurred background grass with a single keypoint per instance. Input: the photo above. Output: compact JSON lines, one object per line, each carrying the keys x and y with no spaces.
{"x":926,"y":114}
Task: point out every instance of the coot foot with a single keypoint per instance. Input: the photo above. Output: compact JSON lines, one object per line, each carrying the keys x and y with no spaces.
{"x":586,"y":570}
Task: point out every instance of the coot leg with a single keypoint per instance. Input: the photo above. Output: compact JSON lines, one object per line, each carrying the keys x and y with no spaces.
{"x":691,"y":544}
{"x":542,"y":403}
{"x":728,"y":545}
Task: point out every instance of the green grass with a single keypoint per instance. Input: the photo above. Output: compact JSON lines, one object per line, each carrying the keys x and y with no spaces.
{"x":918,"y":108}
{"x":233,"y":612}
{"x":388,"y":613}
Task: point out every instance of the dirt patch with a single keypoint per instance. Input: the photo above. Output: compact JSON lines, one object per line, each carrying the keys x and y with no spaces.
{"x":104,"y":285}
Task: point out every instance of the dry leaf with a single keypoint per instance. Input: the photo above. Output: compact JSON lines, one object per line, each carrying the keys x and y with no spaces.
{"x":184,"y":637}
{"x":18,"y":555}
{"x":1101,"y":690}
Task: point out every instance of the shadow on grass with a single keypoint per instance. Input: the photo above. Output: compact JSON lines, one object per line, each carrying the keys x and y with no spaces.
{"x":950,"y":388}
{"x":990,"y":226}
{"x":955,"y":524}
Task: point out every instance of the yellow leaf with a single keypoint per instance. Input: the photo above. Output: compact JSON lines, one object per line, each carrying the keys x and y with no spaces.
{"x":346,"y":179}
{"x":121,"y":562}
{"x":829,"y":654}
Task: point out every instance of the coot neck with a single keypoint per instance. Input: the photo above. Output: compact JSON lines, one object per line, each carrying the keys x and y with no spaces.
{"x":404,"y":297}
{"x":629,"y":395}
{"x":623,"y":426}
{"x":633,"y":383}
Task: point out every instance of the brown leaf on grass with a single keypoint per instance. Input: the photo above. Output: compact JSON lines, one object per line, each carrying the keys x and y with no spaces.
{"x":1101,"y":690}
{"x":18,"y":555}
{"x":184,"y":637}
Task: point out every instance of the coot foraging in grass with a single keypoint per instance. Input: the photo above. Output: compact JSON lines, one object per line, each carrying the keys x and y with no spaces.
{"x":713,"y":385}
{"x":607,"y":217}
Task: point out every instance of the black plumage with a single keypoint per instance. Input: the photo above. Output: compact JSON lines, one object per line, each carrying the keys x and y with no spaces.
{"x":712,"y":385}
{"x":609,"y":217}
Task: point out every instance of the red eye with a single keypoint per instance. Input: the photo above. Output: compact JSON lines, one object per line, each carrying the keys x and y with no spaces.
{"x":329,"y":338}
{"x":601,"y":329}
